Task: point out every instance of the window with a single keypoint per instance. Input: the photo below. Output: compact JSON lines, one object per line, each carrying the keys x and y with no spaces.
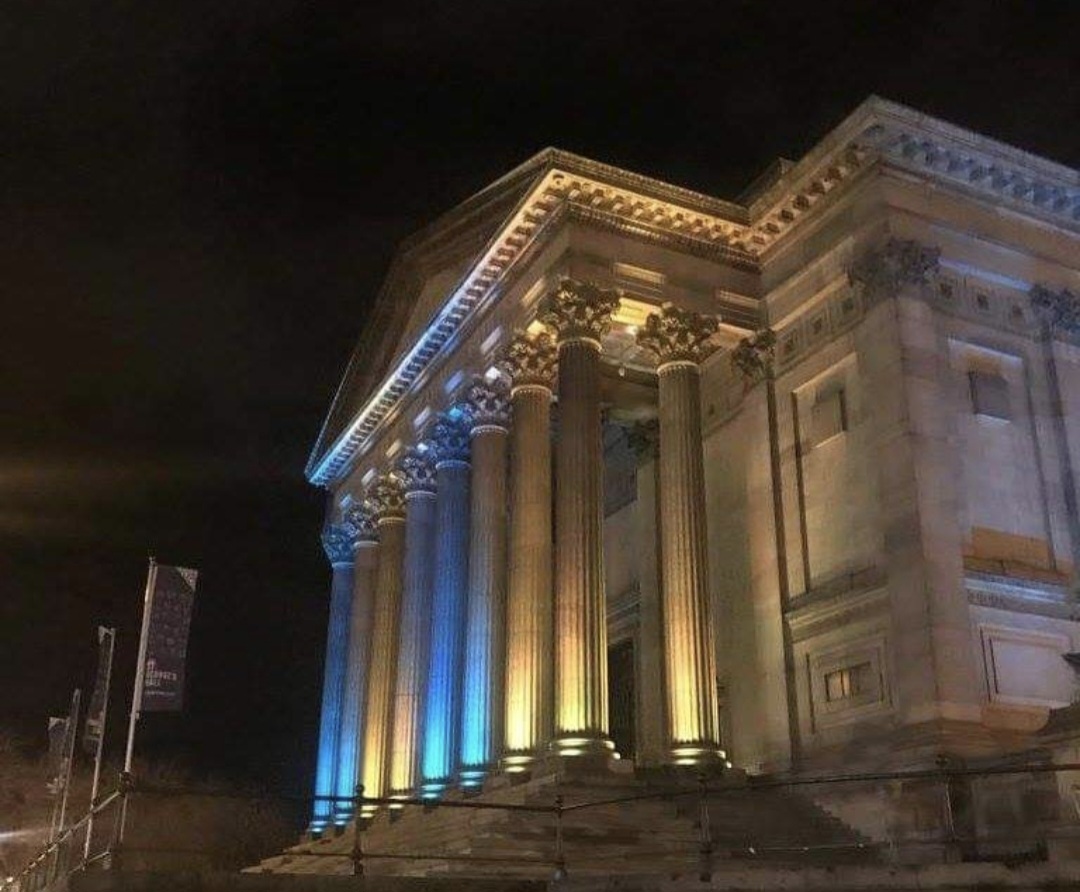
{"x":849,"y":682}
{"x":828,"y":416}
{"x":989,"y":394}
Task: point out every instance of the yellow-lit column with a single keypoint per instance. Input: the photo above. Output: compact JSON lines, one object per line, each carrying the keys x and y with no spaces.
{"x":418,"y":472}
{"x":386,"y":503}
{"x":530,"y":363}
{"x":680,"y":340}
{"x":580,"y":314}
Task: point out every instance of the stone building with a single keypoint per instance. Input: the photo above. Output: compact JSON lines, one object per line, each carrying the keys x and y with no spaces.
{"x":620,"y":471}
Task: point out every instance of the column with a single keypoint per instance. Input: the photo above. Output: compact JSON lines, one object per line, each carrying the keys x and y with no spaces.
{"x":680,"y":339}
{"x":386,"y":503}
{"x":580,"y":314}
{"x":529,"y":684}
{"x":419,"y":474}
{"x":487,"y":410}
{"x":366,"y":554}
{"x":337,"y":542}
{"x":442,"y":708}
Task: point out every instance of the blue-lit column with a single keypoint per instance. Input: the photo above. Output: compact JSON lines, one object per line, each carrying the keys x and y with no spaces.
{"x":481,"y":712}
{"x":527,"y":723}
{"x":386,"y":503}
{"x":338,"y":542}
{"x":366,"y":553}
{"x":442,"y":703}
{"x":419,"y":473}
{"x":580,"y":314}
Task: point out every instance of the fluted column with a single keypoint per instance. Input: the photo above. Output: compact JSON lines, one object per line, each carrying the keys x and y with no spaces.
{"x":442,"y":710}
{"x":386,"y":502}
{"x":366,"y":555}
{"x":487,"y":411}
{"x":680,"y":339}
{"x":419,"y":473}
{"x":580,"y":314}
{"x":529,"y":684}
{"x":337,"y":541}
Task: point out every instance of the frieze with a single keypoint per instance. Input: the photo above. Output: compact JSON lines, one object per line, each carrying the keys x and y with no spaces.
{"x":678,"y":335}
{"x":1033,"y":598}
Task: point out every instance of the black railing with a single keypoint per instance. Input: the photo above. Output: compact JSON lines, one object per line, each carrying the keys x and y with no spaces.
{"x":58,"y":858}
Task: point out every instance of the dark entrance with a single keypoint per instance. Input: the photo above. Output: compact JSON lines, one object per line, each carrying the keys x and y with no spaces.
{"x":622,"y":701}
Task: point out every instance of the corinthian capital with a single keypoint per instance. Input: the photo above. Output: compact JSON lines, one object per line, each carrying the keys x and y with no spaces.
{"x":487,"y":404}
{"x":530,"y":360}
{"x":1057,"y":309}
{"x":677,"y":335}
{"x":385,"y":498}
{"x":579,"y":310}
{"x":362,"y":524}
{"x":754,"y":355}
{"x":337,"y":541}
{"x":885,"y":270}
{"x":450,"y":436}
{"x":418,"y":469}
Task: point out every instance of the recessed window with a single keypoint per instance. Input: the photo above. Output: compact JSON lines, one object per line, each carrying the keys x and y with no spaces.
{"x":989,"y":394}
{"x":849,"y":682}
{"x":828,"y":415}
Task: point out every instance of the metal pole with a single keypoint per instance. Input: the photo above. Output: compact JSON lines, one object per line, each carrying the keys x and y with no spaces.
{"x":560,"y":855}
{"x":705,"y":868}
{"x":100,"y":745}
{"x":358,"y":846}
{"x":73,"y":726}
{"x":136,"y":693}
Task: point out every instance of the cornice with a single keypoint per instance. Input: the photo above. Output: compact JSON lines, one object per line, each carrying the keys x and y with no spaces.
{"x":568,"y":186}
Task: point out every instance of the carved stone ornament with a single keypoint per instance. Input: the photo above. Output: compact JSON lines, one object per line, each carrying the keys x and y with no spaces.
{"x":754,"y":355}
{"x":487,"y":403}
{"x":362,"y":525}
{"x":885,"y":270}
{"x":385,"y":499}
{"x":337,"y":541}
{"x":418,"y":469}
{"x":450,"y":436}
{"x":1057,"y":309}
{"x":579,"y":310}
{"x":677,"y":335}
{"x":530,"y":360}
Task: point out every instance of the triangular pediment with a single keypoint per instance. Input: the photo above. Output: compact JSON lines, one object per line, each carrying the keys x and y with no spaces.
{"x":443,"y":274}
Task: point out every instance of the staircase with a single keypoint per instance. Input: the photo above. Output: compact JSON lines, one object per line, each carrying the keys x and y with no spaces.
{"x":654,"y":827}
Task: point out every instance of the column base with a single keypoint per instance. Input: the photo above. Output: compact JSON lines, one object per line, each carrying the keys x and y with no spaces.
{"x":471,"y":778}
{"x":434,"y":789}
{"x":519,"y":763}
{"x":583,"y":745}
{"x":704,"y":754}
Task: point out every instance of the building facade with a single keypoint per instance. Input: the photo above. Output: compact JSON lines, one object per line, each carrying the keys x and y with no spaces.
{"x":622,"y":471}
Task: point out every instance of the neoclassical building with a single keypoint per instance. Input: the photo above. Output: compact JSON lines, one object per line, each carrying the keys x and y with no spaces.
{"x":620,"y":471}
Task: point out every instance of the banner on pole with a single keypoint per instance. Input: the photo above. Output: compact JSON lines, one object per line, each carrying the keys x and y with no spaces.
{"x":58,"y":728}
{"x":167,"y":636}
{"x":95,"y":713}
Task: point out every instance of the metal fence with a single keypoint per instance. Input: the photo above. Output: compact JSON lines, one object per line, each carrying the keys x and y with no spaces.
{"x":946,"y":811}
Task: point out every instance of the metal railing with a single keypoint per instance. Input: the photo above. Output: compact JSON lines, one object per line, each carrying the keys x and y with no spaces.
{"x":694,"y":798}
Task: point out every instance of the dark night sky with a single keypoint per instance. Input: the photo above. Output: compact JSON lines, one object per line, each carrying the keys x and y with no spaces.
{"x":198,"y":200}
